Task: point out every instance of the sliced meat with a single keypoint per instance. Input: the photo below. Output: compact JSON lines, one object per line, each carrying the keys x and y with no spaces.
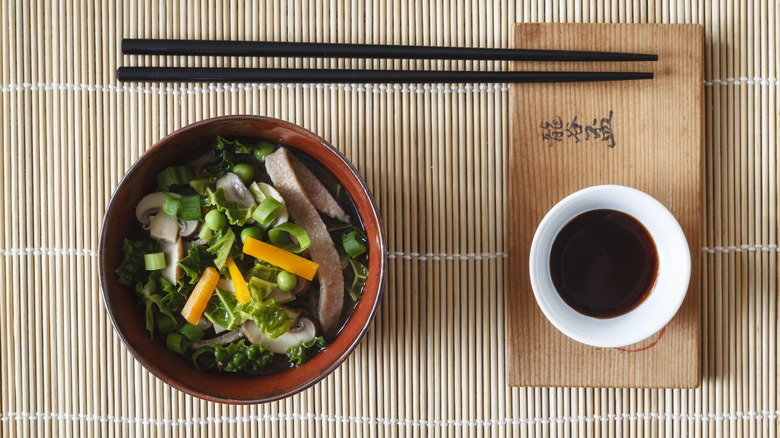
{"x":322,"y":250}
{"x":318,"y":195}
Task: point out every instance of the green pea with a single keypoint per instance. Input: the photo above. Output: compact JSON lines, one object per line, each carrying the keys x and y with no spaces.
{"x":215,"y":220}
{"x":253,"y":232}
{"x":245,"y":171}
{"x":286,"y":281}
{"x":263,"y":150}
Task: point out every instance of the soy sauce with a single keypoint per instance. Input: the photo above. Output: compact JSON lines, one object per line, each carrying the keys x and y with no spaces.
{"x":603,"y":263}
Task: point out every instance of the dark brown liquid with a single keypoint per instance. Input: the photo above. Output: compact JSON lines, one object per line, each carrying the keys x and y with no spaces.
{"x":603,"y":263}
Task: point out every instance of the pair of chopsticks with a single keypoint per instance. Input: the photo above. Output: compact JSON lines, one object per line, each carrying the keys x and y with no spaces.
{"x":367,"y":51}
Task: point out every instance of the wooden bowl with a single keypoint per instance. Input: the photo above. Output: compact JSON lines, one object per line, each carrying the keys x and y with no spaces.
{"x":122,"y":302}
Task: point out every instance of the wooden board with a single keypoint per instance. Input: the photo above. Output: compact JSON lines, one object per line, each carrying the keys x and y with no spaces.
{"x":642,"y":134}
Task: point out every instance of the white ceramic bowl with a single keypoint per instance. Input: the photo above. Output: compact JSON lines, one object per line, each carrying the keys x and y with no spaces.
{"x":671,"y":285}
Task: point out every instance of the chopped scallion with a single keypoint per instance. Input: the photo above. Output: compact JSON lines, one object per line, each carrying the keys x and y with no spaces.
{"x":184,"y":174}
{"x":206,"y":234}
{"x":154,"y":261}
{"x":267,"y":211}
{"x":165,"y":324}
{"x":289,"y":237}
{"x":167,"y":178}
{"x":190,"y":208}
{"x":192,"y":332}
{"x":171,"y":205}
{"x":360,"y":274}
{"x":354,"y":243}
{"x":176,"y":343}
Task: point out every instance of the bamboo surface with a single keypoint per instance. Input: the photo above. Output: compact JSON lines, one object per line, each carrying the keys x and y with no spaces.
{"x":435,"y":158}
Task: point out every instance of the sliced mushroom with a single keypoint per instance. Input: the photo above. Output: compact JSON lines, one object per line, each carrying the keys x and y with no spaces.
{"x":303,"y":331}
{"x":149,"y":206}
{"x":292,"y":313}
{"x":173,"y":253}
{"x":188,"y":228}
{"x":226,"y":284}
{"x":279,"y":296}
{"x":163,"y":227}
{"x":301,"y":287}
{"x":226,"y":338}
{"x":204,"y":323}
{"x":235,"y":190}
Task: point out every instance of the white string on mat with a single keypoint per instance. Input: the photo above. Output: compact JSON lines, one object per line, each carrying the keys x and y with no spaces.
{"x":736,"y":416}
{"x":221,"y":88}
{"x":47,"y":251}
{"x":741,"y":248}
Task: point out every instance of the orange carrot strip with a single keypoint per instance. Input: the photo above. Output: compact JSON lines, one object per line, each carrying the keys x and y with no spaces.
{"x":200,"y":296}
{"x":286,"y":260}
{"x":242,"y":290}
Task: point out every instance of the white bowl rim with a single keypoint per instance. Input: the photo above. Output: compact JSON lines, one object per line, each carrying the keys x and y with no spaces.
{"x":669,"y":290}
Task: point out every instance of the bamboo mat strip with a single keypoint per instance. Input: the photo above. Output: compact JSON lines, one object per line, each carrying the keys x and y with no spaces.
{"x":434,"y":156}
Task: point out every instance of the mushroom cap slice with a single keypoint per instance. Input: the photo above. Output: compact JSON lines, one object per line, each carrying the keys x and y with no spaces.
{"x":163,"y":227}
{"x":173,"y":253}
{"x":303,"y":331}
{"x":235,"y":190}
{"x":279,"y":296}
{"x":149,"y":206}
{"x":188,"y":228}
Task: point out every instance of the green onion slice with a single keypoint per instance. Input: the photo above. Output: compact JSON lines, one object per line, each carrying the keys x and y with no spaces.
{"x":204,"y":359}
{"x":165,"y":324}
{"x":192,"y":332}
{"x":167,"y":178}
{"x":190,"y":208}
{"x":289,"y":237}
{"x":176,"y":342}
{"x":184,"y":174}
{"x":154,"y":261}
{"x":360,"y":273}
{"x":354,"y":243}
{"x":267,"y":211}
{"x":171,"y":205}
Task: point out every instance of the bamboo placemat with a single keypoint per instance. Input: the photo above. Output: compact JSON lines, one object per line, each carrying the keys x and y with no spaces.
{"x":435,"y":158}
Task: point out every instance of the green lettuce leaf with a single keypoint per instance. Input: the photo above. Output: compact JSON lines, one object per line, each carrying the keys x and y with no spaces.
{"x":299,"y":354}
{"x":265,"y":271}
{"x":270,"y":318}
{"x":175,"y":296}
{"x":131,"y":270}
{"x":197,"y":260}
{"x":221,"y":247}
{"x":222,"y":309}
{"x":150,"y":294}
{"x":234,"y":213}
{"x":238,"y":356}
{"x":259,"y":288}
{"x":227,"y":153}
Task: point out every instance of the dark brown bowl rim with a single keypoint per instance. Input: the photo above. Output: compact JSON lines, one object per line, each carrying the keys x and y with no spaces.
{"x":373,"y":214}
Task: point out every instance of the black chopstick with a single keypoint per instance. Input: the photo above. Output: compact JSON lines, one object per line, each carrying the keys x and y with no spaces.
{"x":329,"y":50}
{"x":260,"y":75}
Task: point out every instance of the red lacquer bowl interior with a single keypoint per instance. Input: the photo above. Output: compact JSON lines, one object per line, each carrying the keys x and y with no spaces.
{"x":121,"y":301}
